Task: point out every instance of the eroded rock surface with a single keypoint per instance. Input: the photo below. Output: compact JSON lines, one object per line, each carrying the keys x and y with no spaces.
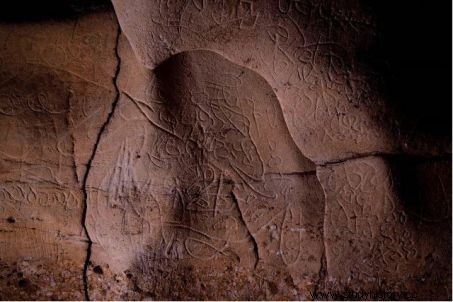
{"x":198,"y":174}
{"x":310,"y":52}
{"x":226,"y":150}
{"x":382,"y":227}
{"x":56,"y":90}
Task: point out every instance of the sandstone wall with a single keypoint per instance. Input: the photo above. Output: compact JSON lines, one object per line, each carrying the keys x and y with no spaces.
{"x":228,"y":150}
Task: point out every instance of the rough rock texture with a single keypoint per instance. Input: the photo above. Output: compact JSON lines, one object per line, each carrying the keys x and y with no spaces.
{"x":309,"y":52}
{"x":56,"y":90}
{"x":199,"y":173}
{"x":226,"y":150}
{"x":385,"y":227}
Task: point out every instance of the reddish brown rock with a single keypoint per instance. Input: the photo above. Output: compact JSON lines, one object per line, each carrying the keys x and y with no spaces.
{"x":199,"y":173}
{"x":56,"y":90}
{"x":386,"y":231}
{"x":221,"y":150}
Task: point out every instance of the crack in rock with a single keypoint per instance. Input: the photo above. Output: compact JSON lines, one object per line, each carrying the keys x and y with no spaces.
{"x":90,"y":161}
{"x":252,"y":239}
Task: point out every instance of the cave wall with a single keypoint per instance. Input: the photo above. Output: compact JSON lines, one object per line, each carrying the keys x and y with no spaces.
{"x":216,"y":150}
{"x":56,"y":92}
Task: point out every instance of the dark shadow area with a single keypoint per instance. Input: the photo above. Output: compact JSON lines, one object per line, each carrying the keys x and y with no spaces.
{"x":423,"y":203}
{"x":413,"y":53}
{"x":424,"y":189}
{"x":37,"y":10}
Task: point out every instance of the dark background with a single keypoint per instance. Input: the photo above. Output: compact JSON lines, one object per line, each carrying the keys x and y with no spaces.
{"x":415,"y":44}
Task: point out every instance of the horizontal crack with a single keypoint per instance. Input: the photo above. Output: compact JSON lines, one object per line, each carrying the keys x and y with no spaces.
{"x":419,"y":158}
{"x":296,"y":173}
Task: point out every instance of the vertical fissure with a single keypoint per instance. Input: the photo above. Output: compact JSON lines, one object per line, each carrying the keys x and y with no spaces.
{"x":89,"y":164}
{"x":251,"y":237}
{"x":323,"y":270}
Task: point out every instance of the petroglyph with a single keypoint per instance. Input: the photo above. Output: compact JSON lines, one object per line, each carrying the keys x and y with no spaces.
{"x":55,"y":87}
{"x":217,"y":150}
{"x":203,"y":171}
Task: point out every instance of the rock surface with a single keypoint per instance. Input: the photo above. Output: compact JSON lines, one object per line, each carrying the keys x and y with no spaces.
{"x":56,"y":91}
{"x":221,"y":150}
{"x":382,"y":227}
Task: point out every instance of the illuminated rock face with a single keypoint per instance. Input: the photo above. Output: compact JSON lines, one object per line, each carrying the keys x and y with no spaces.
{"x":56,"y":91}
{"x":226,"y":150}
{"x":198,"y":173}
